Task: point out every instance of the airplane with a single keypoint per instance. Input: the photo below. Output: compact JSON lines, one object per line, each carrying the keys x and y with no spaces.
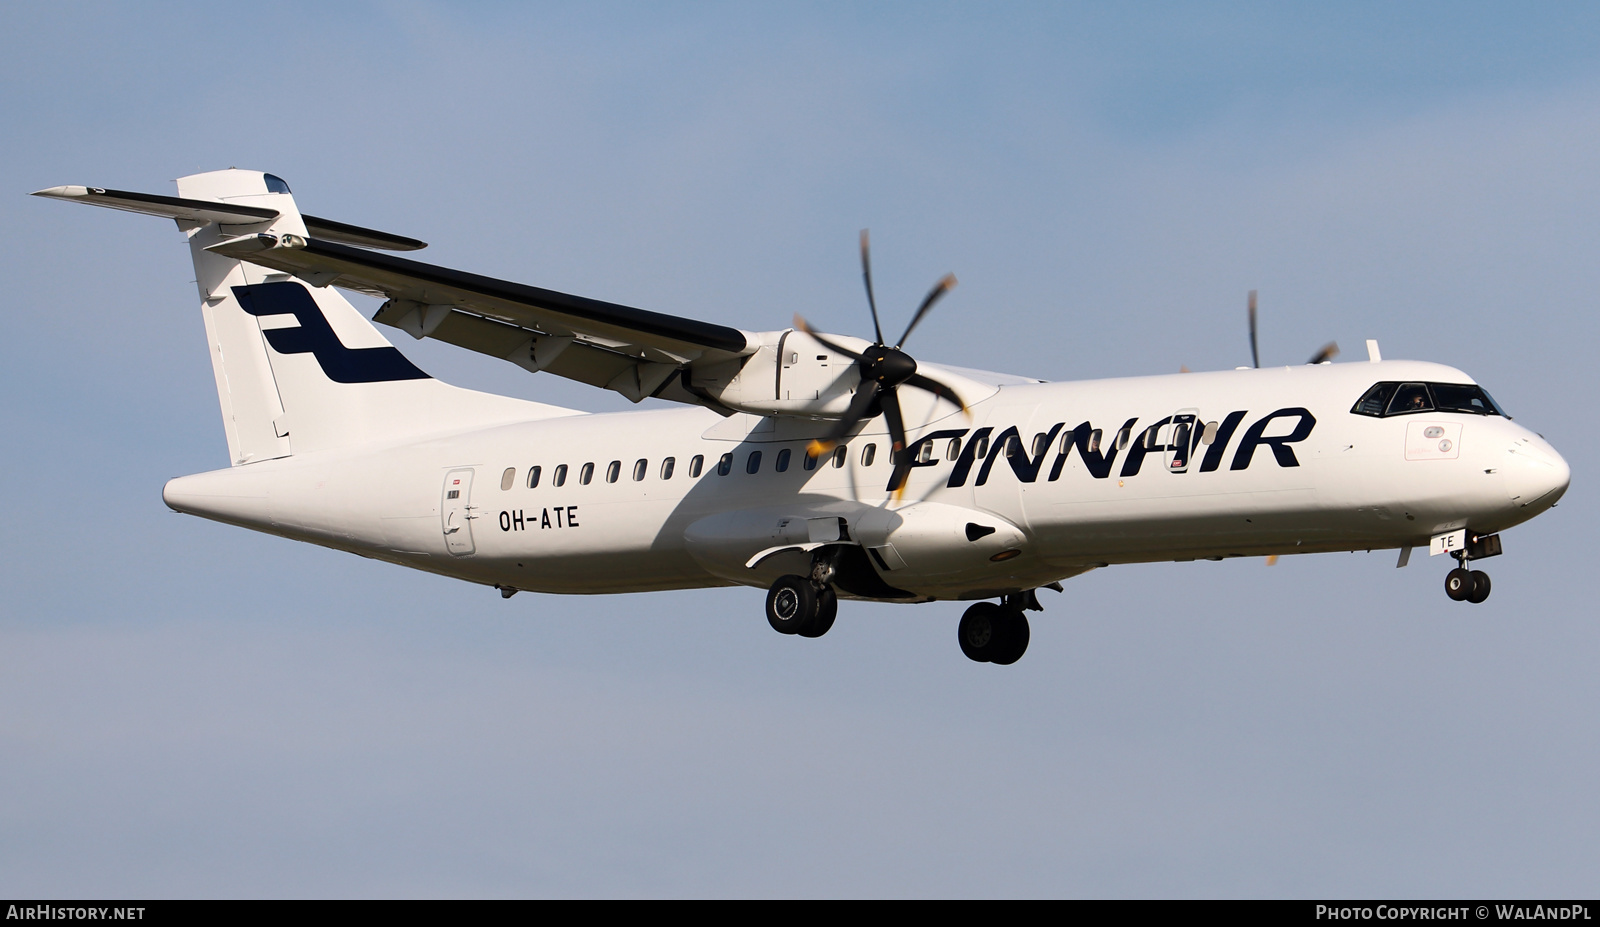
{"x":815,"y":466}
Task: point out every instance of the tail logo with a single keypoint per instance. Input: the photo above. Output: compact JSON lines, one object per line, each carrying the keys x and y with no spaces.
{"x":317,"y":338}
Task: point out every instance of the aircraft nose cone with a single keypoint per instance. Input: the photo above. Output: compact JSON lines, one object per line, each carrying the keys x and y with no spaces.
{"x":1535,"y":475}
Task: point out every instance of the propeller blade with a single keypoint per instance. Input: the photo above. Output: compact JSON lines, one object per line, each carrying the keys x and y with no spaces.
{"x":1255,"y":356}
{"x":897,"y":439}
{"x":925,"y":382}
{"x":1329,"y":352}
{"x":865,"y":394}
{"x":806,"y":327}
{"x":1272,"y":559}
{"x":945,"y":285}
{"x":866,"y":276}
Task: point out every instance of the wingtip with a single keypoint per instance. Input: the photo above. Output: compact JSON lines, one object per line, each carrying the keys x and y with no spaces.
{"x":62,"y":193}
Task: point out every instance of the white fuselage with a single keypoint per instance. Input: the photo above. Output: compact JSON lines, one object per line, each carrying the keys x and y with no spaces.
{"x":1045,"y":508}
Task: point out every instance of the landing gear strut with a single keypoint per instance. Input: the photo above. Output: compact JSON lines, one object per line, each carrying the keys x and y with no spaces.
{"x":798,"y":605}
{"x":991,"y":633}
{"x":1466,"y":585}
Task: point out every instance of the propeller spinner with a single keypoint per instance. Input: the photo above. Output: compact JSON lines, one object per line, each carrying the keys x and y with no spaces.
{"x":884,"y":370}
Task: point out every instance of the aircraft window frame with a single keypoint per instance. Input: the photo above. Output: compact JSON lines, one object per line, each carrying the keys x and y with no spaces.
{"x":725,"y":464}
{"x":1041,"y":443}
{"x":668,"y":464}
{"x":640,"y":468}
{"x":508,"y":479}
{"x":1208,"y":435}
{"x":275,"y":183}
{"x":781,"y":462}
{"x":1066,"y":442}
{"x":924,"y":451}
{"x":697,"y":463}
{"x":586,"y":474}
{"x":752,"y":464}
{"x":613,"y":471}
{"x":840,"y":455}
{"x":559,"y":477}
{"x":533,"y":476}
{"x":980,"y":448}
{"x":869,"y":454}
{"x":1095,"y":438}
{"x":952,"y":451}
{"x":809,"y":462}
{"x":1124,"y":437}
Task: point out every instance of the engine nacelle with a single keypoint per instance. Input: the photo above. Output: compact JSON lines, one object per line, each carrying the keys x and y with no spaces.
{"x":791,"y":373}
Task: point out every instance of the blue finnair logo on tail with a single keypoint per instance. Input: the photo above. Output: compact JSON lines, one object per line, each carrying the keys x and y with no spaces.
{"x":317,"y":338}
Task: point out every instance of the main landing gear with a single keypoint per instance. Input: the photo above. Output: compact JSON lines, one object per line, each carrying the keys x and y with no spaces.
{"x":991,"y":633}
{"x":800,"y":605}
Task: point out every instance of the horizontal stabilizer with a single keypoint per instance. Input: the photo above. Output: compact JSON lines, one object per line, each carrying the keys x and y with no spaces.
{"x":192,"y":210}
{"x":173,"y":207}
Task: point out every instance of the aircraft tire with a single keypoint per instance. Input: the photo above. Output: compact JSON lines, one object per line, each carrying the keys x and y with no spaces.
{"x":827,"y":610}
{"x":981,"y":632}
{"x":1480,"y":587}
{"x":1014,"y":642}
{"x":1458,"y":584}
{"x":792,"y":604}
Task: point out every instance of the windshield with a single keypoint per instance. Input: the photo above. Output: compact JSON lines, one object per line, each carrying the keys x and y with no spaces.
{"x":1394,"y":398}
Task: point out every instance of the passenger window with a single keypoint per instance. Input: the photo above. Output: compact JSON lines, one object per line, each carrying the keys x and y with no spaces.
{"x":725,"y":465}
{"x":782,"y":463}
{"x":559,"y":478}
{"x":695,"y":463}
{"x":1209,"y":435}
{"x":753,"y":463}
{"x":1410,"y":397}
{"x":953,"y":449}
{"x":925,"y":452}
{"x":1094,"y":441}
{"x":810,"y":460}
{"x":980,"y":448}
{"x":1066,"y":442}
{"x":666,"y":467}
{"x":868,"y":454}
{"x":1123,"y":437}
{"x":1013,"y":448}
{"x":639,"y":467}
{"x":508,"y":479}
{"x":613,"y":470}
{"x":586,"y":474}
{"x":839,"y":456}
{"x":533,"y":477}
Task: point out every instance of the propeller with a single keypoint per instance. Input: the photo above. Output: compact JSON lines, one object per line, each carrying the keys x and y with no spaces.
{"x":1328,"y":352}
{"x":884,"y":369}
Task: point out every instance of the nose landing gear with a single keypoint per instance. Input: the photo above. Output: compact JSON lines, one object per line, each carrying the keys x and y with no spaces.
{"x":1464,"y":584}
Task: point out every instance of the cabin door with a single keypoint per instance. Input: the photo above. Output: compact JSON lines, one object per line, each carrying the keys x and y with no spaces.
{"x":456,"y":512}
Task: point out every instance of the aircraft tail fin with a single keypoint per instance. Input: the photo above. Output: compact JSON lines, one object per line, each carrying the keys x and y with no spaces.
{"x":298,"y":369}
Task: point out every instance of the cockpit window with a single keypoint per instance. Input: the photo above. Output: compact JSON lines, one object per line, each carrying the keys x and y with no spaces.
{"x":1392,"y":398}
{"x":1452,"y":398}
{"x":1410,"y":397}
{"x":275,"y":184}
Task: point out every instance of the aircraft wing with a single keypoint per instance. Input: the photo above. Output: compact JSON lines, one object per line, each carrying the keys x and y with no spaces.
{"x":635,"y":352}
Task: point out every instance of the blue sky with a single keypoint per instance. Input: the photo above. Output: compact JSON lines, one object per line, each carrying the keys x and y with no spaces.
{"x":192,"y":710}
